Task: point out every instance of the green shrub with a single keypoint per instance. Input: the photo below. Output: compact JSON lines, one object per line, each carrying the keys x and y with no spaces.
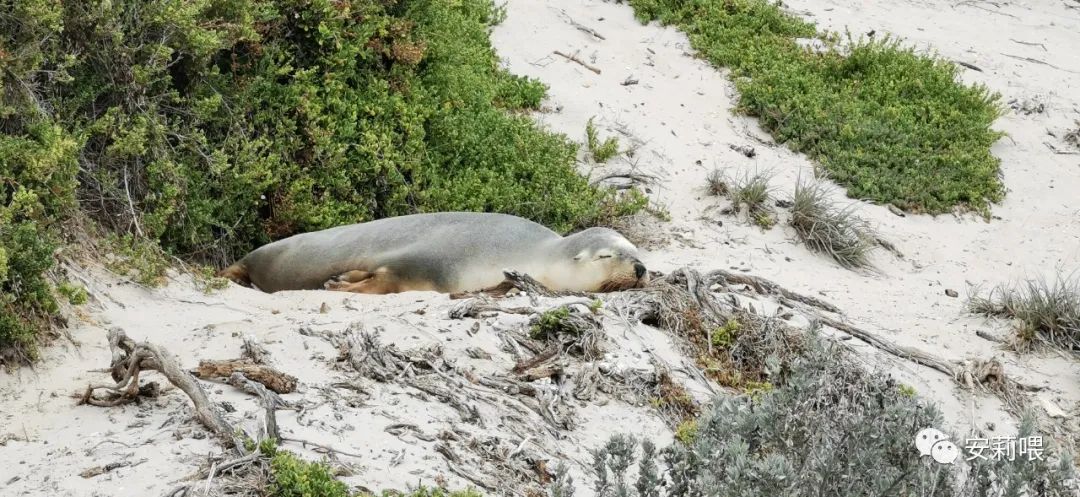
{"x":601,"y":151}
{"x":749,"y":190}
{"x":291,"y":476}
{"x":213,"y":126}
{"x":887,"y":123}
{"x":37,"y":181}
{"x":75,"y":294}
{"x":550,"y":323}
{"x":723,"y":336}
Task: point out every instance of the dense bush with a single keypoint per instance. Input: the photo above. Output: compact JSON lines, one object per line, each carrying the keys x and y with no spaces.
{"x":827,"y":428}
{"x":889,"y":124}
{"x":213,"y":126}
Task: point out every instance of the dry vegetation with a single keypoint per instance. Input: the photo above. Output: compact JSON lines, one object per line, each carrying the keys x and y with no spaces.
{"x":1045,"y":312}
{"x":838,"y":232}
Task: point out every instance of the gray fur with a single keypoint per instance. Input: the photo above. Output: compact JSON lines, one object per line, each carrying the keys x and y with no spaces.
{"x":440,"y":249}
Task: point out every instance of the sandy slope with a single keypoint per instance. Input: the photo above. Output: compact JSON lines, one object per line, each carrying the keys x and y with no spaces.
{"x":678,"y":117}
{"x":50,"y":440}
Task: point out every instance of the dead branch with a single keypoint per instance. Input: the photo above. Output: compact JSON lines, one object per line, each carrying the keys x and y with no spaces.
{"x":131,"y":358}
{"x":767,"y":287}
{"x":481,"y":305}
{"x":323,"y":448}
{"x":634,"y":177}
{"x":100,"y":470}
{"x":364,"y":352}
{"x":273,"y":379}
{"x":1028,"y":43}
{"x":516,"y":281}
{"x":271,"y":401}
{"x":987,"y":373}
{"x":573,"y":58}
{"x":536,"y":360}
{"x":677,"y":302}
{"x":969,"y":65}
{"x":454,"y":462}
{"x":1059,"y":151}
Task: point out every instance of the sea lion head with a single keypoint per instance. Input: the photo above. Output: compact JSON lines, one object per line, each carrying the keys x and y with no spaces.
{"x":601,"y":260}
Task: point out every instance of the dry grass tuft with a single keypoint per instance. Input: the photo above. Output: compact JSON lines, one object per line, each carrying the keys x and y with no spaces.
{"x":823,"y":227}
{"x":1045,"y":311}
{"x":751,"y":191}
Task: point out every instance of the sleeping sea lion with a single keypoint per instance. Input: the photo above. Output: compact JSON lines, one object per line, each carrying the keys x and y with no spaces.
{"x":445,"y":252}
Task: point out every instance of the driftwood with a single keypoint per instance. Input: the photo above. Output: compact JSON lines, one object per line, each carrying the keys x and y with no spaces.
{"x":481,"y":305}
{"x":129,"y":359}
{"x":668,"y":300}
{"x":273,"y":379}
{"x":573,"y":58}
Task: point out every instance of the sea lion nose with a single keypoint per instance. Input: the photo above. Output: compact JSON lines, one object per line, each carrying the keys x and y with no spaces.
{"x":639,"y":269}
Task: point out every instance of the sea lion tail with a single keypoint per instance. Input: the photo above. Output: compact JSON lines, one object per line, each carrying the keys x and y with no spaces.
{"x":238,"y":273}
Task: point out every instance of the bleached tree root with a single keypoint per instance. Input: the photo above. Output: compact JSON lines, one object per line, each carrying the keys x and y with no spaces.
{"x":130,"y":359}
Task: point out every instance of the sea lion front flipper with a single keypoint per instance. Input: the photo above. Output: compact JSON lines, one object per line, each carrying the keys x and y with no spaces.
{"x":354,"y":276}
{"x":379,"y":281}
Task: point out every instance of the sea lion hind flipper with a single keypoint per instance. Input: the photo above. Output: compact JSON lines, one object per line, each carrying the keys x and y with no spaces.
{"x":237,"y":273}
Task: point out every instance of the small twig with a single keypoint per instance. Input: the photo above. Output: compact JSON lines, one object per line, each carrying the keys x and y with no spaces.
{"x":327,"y":448}
{"x":580,"y":26}
{"x":131,"y":206}
{"x":980,"y":7}
{"x":630,"y":175}
{"x":573,"y":58}
{"x":1037,"y":61}
{"x":1058,"y":151}
{"x":969,"y":65}
{"x":1029,"y":43}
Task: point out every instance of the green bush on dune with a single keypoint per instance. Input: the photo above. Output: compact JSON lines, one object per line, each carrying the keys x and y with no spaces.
{"x":213,"y":126}
{"x":887,"y":123}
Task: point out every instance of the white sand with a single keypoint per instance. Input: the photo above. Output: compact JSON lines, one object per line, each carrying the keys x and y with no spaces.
{"x":678,"y":114}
